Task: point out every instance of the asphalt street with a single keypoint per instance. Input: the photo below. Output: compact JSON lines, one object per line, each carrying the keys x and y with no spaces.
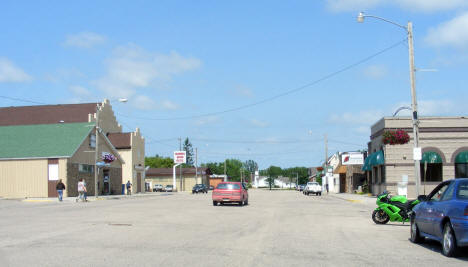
{"x":277,"y":228}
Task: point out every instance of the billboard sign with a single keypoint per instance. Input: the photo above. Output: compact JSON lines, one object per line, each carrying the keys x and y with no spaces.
{"x":352,"y":158}
{"x":180,"y":157}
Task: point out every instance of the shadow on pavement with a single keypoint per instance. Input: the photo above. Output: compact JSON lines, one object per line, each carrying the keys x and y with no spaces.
{"x":436,"y":247}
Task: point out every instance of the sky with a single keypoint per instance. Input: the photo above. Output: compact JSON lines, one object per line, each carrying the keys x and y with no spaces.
{"x":261,"y":80}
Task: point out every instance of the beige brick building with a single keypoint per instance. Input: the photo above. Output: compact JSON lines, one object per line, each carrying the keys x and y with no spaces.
{"x":444,"y":143}
{"x":128,"y":146}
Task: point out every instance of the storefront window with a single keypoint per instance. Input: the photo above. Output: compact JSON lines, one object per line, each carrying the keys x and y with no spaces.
{"x":433,"y":172}
{"x":461,"y":170}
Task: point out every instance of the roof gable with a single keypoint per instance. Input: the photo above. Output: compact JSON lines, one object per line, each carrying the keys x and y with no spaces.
{"x":46,"y":114}
{"x":42,"y":141}
{"x":120,"y":140}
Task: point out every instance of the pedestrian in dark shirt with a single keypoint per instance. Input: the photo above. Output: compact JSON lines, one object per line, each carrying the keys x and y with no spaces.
{"x":60,"y":187}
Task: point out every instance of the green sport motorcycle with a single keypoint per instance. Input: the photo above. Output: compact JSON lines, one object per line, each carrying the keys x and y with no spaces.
{"x":392,"y":208}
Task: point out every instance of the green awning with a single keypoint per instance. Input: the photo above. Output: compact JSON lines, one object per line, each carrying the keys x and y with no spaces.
{"x":462,"y":157}
{"x":373,"y":159}
{"x":378,"y":159}
{"x":431,"y":157}
{"x":366,"y":166}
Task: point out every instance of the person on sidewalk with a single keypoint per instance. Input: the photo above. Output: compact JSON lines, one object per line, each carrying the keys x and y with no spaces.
{"x":86,"y":191}
{"x":81,"y":190}
{"x":326,"y":187}
{"x":129,"y":188}
{"x":60,"y":187}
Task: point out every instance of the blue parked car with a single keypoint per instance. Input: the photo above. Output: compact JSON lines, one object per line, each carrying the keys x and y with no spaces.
{"x":443,"y":216}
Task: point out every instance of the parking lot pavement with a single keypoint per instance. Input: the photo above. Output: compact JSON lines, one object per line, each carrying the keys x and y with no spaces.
{"x":277,"y":228}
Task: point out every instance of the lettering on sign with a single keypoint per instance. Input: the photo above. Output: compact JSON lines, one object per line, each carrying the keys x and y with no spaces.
{"x":180,"y":157}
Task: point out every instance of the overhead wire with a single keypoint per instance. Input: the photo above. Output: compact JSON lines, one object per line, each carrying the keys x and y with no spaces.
{"x":326,"y":77}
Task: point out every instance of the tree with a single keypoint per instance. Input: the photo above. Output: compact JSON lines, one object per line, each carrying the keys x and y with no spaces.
{"x":250,"y":166}
{"x":189,"y":152}
{"x":273,"y":173}
{"x":159,"y":162}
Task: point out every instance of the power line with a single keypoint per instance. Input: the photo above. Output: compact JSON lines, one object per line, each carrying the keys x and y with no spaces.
{"x":326,"y":77}
{"x":22,"y":100}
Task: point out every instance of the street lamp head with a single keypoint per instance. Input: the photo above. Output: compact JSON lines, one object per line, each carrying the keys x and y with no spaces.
{"x":123,"y":100}
{"x":360,"y":17}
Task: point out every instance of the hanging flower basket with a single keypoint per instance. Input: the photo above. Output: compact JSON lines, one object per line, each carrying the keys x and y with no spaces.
{"x":397,"y":137}
{"x":108,"y":157}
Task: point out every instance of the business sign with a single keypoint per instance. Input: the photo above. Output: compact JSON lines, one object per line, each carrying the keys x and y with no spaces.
{"x":180,"y":157}
{"x":352,"y":158}
{"x":417,"y":153}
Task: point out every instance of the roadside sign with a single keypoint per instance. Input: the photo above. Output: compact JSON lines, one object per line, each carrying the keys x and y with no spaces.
{"x":180,"y":157}
{"x":352,"y":158}
{"x":417,"y":153}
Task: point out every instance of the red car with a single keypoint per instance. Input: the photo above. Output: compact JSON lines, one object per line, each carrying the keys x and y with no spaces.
{"x":230,"y":192}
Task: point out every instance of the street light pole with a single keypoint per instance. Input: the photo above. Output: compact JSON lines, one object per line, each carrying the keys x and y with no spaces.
{"x":414,"y":104}
{"x":96,"y":154}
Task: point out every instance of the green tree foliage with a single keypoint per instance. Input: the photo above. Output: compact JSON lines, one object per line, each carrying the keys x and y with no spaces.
{"x":302,"y":173}
{"x":234,"y":168}
{"x":159,"y":162}
{"x":189,"y":152}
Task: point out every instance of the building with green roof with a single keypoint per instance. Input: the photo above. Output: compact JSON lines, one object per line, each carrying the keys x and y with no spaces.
{"x":34,"y":157}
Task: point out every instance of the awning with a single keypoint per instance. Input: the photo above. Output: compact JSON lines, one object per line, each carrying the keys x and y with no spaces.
{"x":373,"y":159}
{"x":431,"y":157}
{"x":341,"y":169}
{"x":462,"y":157}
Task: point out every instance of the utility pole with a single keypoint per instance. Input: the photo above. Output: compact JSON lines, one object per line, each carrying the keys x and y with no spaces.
{"x":196,"y":164}
{"x":225,"y":177}
{"x":326,"y":160}
{"x":414,"y":105}
{"x":96,"y":154}
{"x":180,"y":167}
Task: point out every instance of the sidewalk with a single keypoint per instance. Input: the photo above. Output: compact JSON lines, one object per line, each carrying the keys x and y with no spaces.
{"x":355,"y":198}
{"x":90,"y":198}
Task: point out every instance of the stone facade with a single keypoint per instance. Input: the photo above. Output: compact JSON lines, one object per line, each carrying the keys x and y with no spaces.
{"x":447,"y":136}
{"x":73,"y":175}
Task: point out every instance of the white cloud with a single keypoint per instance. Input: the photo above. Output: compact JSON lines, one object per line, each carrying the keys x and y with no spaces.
{"x":366,"y":117}
{"x":440,"y":107}
{"x":352,"y":5}
{"x":11,"y":73}
{"x":430,"y":5}
{"x":84,"y":39}
{"x":167,"y":104}
{"x":375,"y":71}
{"x":81,"y":94}
{"x":131,"y":68}
{"x":143,"y":102}
{"x":79,"y":90}
{"x":243,"y":91}
{"x":450,"y":33}
{"x":408,"y":5}
{"x":206,"y":120}
{"x":258,"y":123}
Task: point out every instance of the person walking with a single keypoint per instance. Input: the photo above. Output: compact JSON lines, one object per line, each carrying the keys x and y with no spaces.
{"x":326,"y":186}
{"x":86,"y":191}
{"x":129,"y":188}
{"x":60,"y":187}
{"x":81,"y":190}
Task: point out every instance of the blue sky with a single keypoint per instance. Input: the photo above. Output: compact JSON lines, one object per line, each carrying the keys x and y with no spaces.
{"x":197,"y":59}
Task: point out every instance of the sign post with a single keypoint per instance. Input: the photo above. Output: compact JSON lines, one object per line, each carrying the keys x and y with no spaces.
{"x":180,"y":157}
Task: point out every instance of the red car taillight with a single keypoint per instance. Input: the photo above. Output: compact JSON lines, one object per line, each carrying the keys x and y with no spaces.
{"x":466,"y":211}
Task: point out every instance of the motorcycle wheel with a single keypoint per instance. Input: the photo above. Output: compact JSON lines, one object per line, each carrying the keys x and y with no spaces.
{"x":380,"y":217}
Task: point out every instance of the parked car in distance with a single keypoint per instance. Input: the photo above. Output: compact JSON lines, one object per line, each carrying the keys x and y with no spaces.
{"x":301,"y":187}
{"x":313,"y":188}
{"x":199,"y":188}
{"x":443,"y":216}
{"x":157,"y":188}
{"x":169,"y":188}
{"x":211,"y":187}
{"x":230,"y":192}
